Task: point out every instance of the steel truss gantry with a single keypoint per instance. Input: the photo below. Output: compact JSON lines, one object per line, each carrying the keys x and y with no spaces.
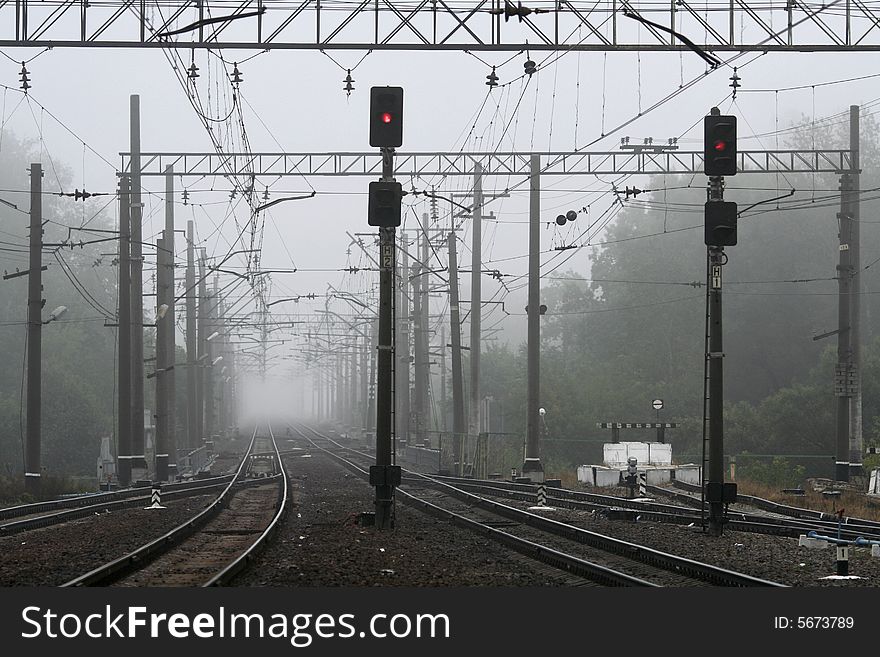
{"x":454,"y":25}
{"x":369,"y":164}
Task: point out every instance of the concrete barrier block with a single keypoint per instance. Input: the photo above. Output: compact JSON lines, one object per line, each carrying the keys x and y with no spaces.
{"x":811,"y":543}
{"x":875,"y":550}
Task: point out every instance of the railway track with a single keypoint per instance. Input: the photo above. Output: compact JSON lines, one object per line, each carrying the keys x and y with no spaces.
{"x":786,"y":520}
{"x":598,"y":557}
{"x":214,"y":546}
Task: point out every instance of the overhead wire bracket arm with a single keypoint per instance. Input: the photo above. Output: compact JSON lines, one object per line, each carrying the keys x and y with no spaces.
{"x":710,"y":59}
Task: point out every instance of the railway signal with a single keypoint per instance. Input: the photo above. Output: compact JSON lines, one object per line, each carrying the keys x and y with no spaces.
{"x":383,"y":208}
{"x":720,"y":223}
{"x":386,"y":117}
{"x":719,"y":145}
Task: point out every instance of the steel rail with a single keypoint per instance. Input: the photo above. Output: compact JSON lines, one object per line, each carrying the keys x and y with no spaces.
{"x":665,"y":512}
{"x":59,"y":517}
{"x":243,"y":560}
{"x":786,"y":509}
{"x":657,"y":558}
{"x":542,"y":553}
{"x":91,"y":499}
{"x":130,"y":562}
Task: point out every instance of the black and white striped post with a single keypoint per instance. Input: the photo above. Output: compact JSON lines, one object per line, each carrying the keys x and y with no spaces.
{"x":542,"y":495}
{"x":156,"y":496}
{"x":643,"y":484}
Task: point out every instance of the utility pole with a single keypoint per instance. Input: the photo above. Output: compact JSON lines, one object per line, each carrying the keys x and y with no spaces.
{"x":201,"y":321}
{"x":123,"y":416}
{"x":444,"y":401}
{"x":138,"y":446}
{"x":210,"y":392}
{"x":844,"y":374}
{"x":856,"y":442}
{"x":532,"y":466}
{"x":161,"y":411}
{"x":476,"y":304}
{"x":170,"y":325}
{"x":401,"y":345}
{"x":458,"y":425}
{"x":192,"y":405}
{"x":423,"y":356}
{"x":32,"y":467}
{"x":418,"y":384}
{"x":352,"y":387}
{"x":365,"y":385}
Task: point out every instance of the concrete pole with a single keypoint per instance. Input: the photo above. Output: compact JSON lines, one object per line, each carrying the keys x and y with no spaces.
{"x":138,"y":445}
{"x":170,"y":325}
{"x":365,"y":385}
{"x":353,"y":388}
{"x":423,"y":356}
{"x":401,"y":322}
{"x":532,"y":466}
{"x":192,"y":396}
{"x":856,"y":441}
{"x":201,"y":350}
{"x":418,"y":333}
{"x":32,"y":467}
{"x":161,"y":411}
{"x":123,"y":437}
{"x":444,"y":401}
{"x":458,"y":422}
{"x":476,"y":305}
{"x":843,"y":375}
{"x":210,"y":368}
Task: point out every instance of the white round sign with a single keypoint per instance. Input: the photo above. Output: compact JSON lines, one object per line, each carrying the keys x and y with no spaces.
{"x":657,"y":404}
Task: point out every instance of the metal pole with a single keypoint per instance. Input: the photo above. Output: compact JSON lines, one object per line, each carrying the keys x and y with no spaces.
{"x":401,"y":373}
{"x":138,"y":445}
{"x":32,"y":468}
{"x":385,"y":475}
{"x":856,"y":442}
{"x":170,"y":326}
{"x":458,"y":422}
{"x":716,"y":392}
{"x":423,"y":355}
{"x":418,"y":411}
{"x":192,"y":397}
{"x":444,"y":402}
{"x":123,"y":438}
{"x":365,"y":385}
{"x":844,"y":336}
{"x":201,"y":318}
{"x":476,"y":305}
{"x":715,"y":481}
{"x":210,"y":392}
{"x":161,"y":412}
{"x":352,"y":388}
{"x":532,"y":466}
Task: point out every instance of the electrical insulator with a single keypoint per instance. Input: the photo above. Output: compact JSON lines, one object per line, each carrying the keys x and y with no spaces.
{"x":185,"y":196}
{"x":530,"y":67}
{"x":236,"y":74}
{"x":492,"y":79}
{"x":266,"y":194}
{"x":734,"y":82}
{"x":24,"y":79}
{"x":349,"y":83}
{"x":560,"y":219}
{"x":193,"y":71}
{"x":571,"y":215}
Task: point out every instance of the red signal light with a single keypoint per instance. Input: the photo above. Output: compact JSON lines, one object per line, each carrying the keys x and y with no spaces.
{"x":720,"y":146}
{"x":386,"y":117}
